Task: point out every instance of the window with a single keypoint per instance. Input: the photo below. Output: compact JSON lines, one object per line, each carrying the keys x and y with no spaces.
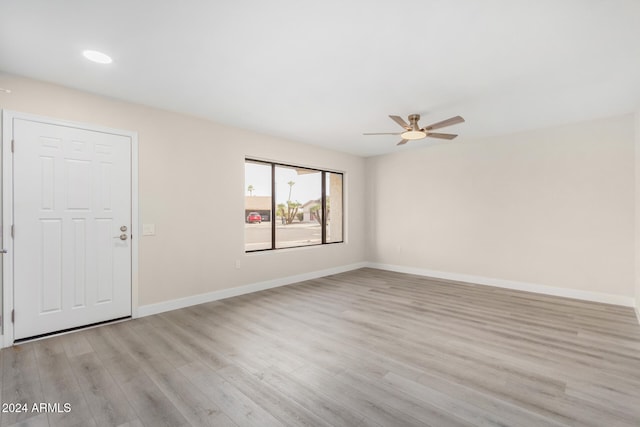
{"x":258,"y":201}
{"x":290,"y":206}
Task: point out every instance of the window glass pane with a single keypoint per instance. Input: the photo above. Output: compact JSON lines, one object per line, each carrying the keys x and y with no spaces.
{"x":334,"y":207}
{"x":298,"y":216}
{"x":300,"y":219}
{"x":257,"y":206}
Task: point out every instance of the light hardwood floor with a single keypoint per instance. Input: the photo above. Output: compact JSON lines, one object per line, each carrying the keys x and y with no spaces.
{"x":364,"y":348}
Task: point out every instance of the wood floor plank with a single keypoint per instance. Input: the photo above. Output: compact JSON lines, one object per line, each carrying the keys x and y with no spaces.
{"x":151,"y":353}
{"x":288,"y":412}
{"x":238,"y":406}
{"x":40,"y":420}
{"x":59,"y":385}
{"x":153,"y":407}
{"x":20,"y":383}
{"x":104,"y":397}
{"x":112,"y":345}
{"x":193,"y":404}
{"x":326,"y":407}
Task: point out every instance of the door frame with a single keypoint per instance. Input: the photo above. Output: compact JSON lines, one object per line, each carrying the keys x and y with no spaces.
{"x":8,"y":117}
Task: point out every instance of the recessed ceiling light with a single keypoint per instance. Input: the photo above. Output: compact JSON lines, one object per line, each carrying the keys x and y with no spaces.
{"x":99,"y":57}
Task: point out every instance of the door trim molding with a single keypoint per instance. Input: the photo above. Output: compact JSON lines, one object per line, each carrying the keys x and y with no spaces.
{"x":8,"y":116}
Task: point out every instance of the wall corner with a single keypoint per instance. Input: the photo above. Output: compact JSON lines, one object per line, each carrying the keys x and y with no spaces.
{"x":637,"y":212}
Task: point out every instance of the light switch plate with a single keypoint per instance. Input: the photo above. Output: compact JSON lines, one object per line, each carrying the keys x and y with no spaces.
{"x":148,"y":229}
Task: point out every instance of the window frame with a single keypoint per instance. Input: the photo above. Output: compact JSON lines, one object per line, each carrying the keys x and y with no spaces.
{"x":323,"y":179}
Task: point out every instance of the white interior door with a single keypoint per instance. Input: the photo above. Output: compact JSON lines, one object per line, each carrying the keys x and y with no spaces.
{"x":72,"y":202}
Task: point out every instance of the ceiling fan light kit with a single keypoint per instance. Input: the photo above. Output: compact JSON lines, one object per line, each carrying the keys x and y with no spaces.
{"x":412,"y":131}
{"x":413,"y":134}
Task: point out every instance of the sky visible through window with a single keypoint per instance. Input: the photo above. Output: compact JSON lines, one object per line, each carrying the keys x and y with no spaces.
{"x":306,"y":186}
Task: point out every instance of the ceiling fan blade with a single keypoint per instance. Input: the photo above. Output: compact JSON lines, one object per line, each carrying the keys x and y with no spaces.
{"x":383,"y":133}
{"x":399,"y":120}
{"x":404,"y":141}
{"x":441,"y":135}
{"x":452,"y":121}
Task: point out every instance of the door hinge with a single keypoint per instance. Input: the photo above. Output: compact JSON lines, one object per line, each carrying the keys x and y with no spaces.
{"x":13,"y":145}
{"x":13,"y":231}
{"x":13,"y":316}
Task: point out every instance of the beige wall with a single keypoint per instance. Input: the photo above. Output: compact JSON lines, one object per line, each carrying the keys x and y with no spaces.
{"x":192,"y":188}
{"x":553,"y":207}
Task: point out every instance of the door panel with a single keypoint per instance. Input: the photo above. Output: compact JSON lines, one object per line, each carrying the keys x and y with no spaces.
{"x":72,"y":195}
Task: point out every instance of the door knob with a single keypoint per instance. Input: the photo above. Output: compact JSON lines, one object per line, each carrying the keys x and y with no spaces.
{"x":123,"y":228}
{"x":3,"y":251}
{"x":123,"y":236}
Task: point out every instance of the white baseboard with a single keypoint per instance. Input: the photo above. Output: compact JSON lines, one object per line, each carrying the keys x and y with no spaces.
{"x":510,"y":284}
{"x":147,"y":310}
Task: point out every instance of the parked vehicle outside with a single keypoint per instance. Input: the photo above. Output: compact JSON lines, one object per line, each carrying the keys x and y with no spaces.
{"x":254,"y":217}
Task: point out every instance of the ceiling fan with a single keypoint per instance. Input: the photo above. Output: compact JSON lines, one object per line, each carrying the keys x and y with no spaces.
{"x":413,"y":131}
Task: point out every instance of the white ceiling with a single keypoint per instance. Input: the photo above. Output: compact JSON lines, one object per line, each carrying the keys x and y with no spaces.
{"x":324,"y":72}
